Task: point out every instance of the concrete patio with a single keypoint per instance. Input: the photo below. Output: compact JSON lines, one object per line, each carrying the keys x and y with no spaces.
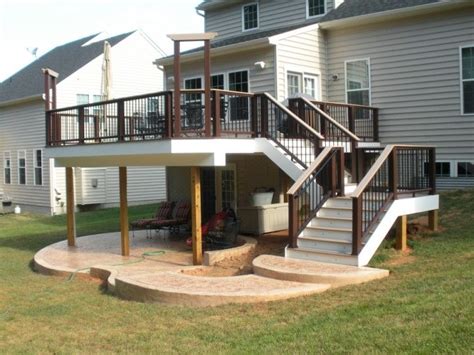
{"x":161,"y":270}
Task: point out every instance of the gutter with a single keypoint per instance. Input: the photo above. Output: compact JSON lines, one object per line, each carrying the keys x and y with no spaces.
{"x":231,"y":48}
{"x":22,"y":100}
{"x":394,"y":14}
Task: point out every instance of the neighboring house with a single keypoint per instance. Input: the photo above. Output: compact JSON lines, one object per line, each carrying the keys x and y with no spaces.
{"x":413,"y":59}
{"x":31,"y":180}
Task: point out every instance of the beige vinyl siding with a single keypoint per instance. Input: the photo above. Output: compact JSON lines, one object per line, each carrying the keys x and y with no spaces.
{"x":260,"y":79}
{"x":22,"y":128}
{"x":415,"y":78}
{"x":227,"y":22}
{"x":303,"y":53}
{"x":144,"y":185}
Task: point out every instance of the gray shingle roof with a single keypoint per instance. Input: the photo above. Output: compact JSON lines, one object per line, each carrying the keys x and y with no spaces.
{"x":65,"y":60}
{"x":352,"y":8}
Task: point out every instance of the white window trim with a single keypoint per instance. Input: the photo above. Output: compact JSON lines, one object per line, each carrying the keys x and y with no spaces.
{"x":4,"y":165}
{"x":461,"y":80}
{"x":35,"y":167}
{"x":18,"y":167}
{"x":316,"y":16}
{"x":258,"y":17}
{"x":370,"y":78}
{"x":304,"y":73}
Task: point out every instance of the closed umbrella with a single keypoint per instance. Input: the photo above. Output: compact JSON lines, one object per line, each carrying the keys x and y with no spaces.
{"x":106,"y":84}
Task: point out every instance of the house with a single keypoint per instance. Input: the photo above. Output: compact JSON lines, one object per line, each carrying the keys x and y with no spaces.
{"x":29,"y":178}
{"x":411,"y":59}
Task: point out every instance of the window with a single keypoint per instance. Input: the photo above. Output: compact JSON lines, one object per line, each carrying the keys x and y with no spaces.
{"x":298,"y":83}
{"x":443,"y":169}
{"x":190,"y":84}
{"x":465,"y":169}
{"x":7,"y":168}
{"x":293,"y":84}
{"x":467,"y":80}
{"x":21,"y":167}
{"x":250,"y":17}
{"x":239,"y":106}
{"x":38,"y":164}
{"x":217,"y":81}
{"x":358,"y":82}
{"x":315,"y":7}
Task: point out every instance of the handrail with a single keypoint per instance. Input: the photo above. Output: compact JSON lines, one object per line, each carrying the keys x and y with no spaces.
{"x":293,"y":116}
{"x":314,"y":165}
{"x":400,"y":169}
{"x":331,"y":120}
{"x":112,"y":101}
{"x":342,"y":104}
{"x":322,"y":180}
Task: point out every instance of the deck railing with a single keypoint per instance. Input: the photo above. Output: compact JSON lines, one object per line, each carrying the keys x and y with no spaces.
{"x":143,"y":117}
{"x":323,"y":179}
{"x":363,"y":121}
{"x":399,"y":170}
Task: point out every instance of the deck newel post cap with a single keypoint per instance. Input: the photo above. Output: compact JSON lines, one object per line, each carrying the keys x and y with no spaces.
{"x":50,"y":72}
{"x":206,"y":36}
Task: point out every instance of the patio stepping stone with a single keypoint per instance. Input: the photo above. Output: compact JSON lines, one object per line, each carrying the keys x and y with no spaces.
{"x":307,"y":271}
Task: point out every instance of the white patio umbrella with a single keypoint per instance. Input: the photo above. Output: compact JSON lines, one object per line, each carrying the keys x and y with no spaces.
{"x":106,"y":84}
{"x":106,"y":89}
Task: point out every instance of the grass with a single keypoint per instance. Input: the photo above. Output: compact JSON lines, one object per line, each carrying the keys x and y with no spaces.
{"x":425,"y":305}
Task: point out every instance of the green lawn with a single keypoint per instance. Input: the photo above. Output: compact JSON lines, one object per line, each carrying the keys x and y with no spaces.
{"x":425,"y":306}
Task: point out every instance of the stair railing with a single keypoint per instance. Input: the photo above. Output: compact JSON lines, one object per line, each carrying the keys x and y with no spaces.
{"x":323,"y":179}
{"x":334,"y":133}
{"x":399,"y":170}
{"x":302,"y":143}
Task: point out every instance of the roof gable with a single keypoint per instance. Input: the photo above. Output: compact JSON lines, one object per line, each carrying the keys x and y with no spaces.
{"x":65,"y":59}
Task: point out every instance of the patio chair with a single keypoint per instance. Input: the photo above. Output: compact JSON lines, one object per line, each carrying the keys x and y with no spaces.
{"x":163,"y":212}
{"x":180,"y":217}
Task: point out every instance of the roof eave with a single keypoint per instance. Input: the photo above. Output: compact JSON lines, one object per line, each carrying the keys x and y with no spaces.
{"x":393,"y":14}
{"x":253,"y":44}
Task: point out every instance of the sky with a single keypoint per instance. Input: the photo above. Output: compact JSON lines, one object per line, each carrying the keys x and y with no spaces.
{"x":45,"y":24}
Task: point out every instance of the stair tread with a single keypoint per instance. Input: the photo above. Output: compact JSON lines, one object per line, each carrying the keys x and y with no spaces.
{"x":330,"y":228}
{"x":319,"y":239}
{"x":320,"y":251}
{"x":337,"y":208}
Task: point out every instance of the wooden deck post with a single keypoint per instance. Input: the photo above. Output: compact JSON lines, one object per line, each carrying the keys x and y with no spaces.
{"x":196,"y":214}
{"x":70,"y":205}
{"x":402,"y":226}
{"x":433,"y":220}
{"x":123,"y":211}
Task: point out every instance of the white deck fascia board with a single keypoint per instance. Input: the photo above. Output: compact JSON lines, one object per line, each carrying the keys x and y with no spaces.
{"x":177,"y":152}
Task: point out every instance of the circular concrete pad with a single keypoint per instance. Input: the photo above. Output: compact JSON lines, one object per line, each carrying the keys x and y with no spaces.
{"x":307,"y":271}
